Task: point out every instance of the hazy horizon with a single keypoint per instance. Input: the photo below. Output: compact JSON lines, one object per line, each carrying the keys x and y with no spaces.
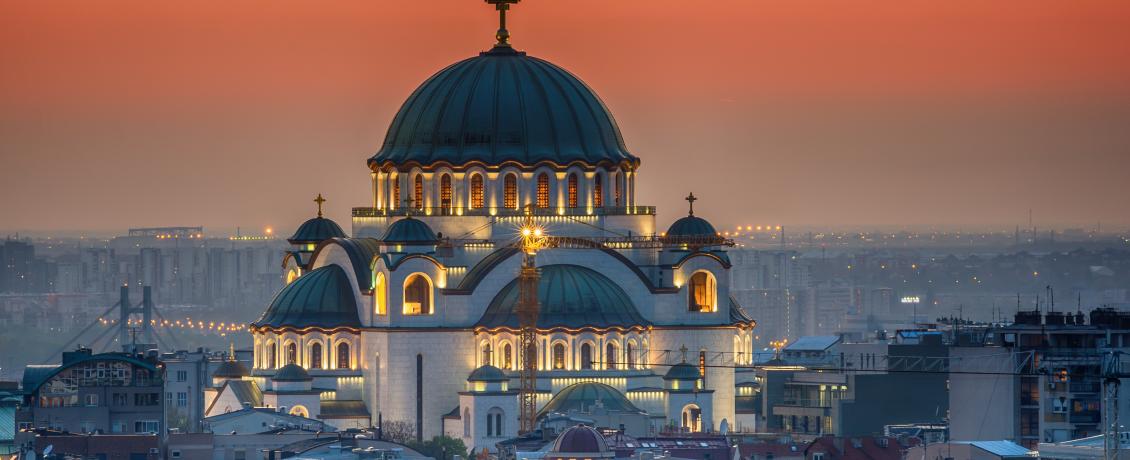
{"x":844,"y":115}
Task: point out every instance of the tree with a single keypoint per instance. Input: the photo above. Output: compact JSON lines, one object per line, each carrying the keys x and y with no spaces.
{"x":398,"y":431}
{"x":441,"y":448}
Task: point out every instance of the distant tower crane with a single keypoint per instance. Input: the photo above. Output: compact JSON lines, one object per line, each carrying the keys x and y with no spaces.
{"x":533,"y":239}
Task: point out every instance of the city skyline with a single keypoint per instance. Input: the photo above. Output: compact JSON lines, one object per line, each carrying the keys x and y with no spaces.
{"x":849,"y":114}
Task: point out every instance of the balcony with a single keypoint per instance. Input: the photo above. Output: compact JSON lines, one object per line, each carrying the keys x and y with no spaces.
{"x":501,"y":211}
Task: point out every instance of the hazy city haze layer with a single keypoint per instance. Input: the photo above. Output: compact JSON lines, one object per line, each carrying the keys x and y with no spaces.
{"x":960,"y":113}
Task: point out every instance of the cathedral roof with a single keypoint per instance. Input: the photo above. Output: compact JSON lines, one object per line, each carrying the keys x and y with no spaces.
{"x":409,"y":231}
{"x":579,"y":439}
{"x":571,"y":296}
{"x":316,"y":230}
{"x":231,"y":369}
{"x":503,"y":106}
{"x":292,"y":373}
{"x":321,"y":298}
{"x":691,"y":226}
{"x":487,"y":373}
{"x":582,"y":397}
{"x":682,"y":371}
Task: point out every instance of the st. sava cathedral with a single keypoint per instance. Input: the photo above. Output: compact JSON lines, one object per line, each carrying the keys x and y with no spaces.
{"x":412,"y":318}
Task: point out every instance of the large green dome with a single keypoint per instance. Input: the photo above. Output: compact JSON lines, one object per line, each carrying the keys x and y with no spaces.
{"x":322,"y":298}
{"x":503,"y":106}
{"x":571,"y":296}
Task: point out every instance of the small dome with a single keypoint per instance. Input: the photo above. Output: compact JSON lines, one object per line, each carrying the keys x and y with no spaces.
{"x":584,"y":396}
{"x":321,"y":298}
{"x":316,"y":230}
{"x":580,"y":439}
{"x":503,"y":106}
{"x":231,"y":370}
{"x":682,"y":371}
{"x":691,"y":227}
{"x":292,"y":373}
{"x":409,"y":231}
{"x":487,"y":373}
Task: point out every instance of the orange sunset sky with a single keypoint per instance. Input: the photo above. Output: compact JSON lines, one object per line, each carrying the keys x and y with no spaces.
{"x":837,"y":113}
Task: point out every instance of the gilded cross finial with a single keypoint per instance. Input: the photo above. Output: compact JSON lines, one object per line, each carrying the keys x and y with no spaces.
{"x":683,"y":349}
{"x":319,"y":200}
{"x":503,"y":35}
{"x":691,"y":199}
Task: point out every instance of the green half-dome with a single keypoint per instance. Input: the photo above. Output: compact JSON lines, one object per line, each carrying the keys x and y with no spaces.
{"x":316,"y":230}
{"x":409,"y":231}
{"x":571,"y":296}
{"x":691,"y":226}
{"x":321,"y":298}
{"x":487,"y":373}
{"x":682,"y":371}
{"x":292,"y":373}
{"x":503,"y":106}
{"x":231,"y":370}
{"x":582,"y":397}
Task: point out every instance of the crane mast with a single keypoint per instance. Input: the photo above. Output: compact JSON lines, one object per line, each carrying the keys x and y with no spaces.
{"x":533,"y":239}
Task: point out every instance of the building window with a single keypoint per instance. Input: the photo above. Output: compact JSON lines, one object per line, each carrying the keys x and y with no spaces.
{"x":182,"y":376}
{"x":507,"y":362}
{"x":418,"y":192}
{"x":586,"y":356}
{"x":619,"y":189}
{"x":146,"y":426}
{"x":610,"y":356}
{"x":316,"y":356}
{"x":417,"y":295}
{"x":486,"y":354}
{"x":476,"y":191}
{"x":818,"y":456}
{"x":466,"y":423}
{"x":343,"y":355}
{"x":395,"y":201}
{"x":300,"y":411}
{"x":380,"y":294}
{"x":628,"y":353}
{"x":182,"y":399}
{"x":598,"y":191}
{"x":120,"y":399}
{"x":271,"y":362}
{"x":147,"y":399}
{"x":543,"y":190}
{"x":558,"y":356}
{"x":494,"y":422}
{"x":92,"y":400}
{"x":445,"y":192}
{"x":572,"y":188}
{"x":702,"y":293}
{"x":291,"y":353}
{"x":510,"y":191}
{"x":702,"y":369}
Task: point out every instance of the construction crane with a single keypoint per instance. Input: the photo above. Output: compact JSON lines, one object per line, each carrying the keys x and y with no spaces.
{"x":1112,"y":375}
{"x":533,"y":239}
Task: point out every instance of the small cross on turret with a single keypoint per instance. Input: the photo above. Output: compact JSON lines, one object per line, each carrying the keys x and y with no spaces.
{"x":691,"y":199}
{"x":319,"y":200}
{"x":503,"y":35}
{"x":683,"y":349}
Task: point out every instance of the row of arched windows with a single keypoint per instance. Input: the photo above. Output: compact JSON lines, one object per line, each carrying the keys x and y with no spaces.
{"x":510,"y":191}
{"x":269,"y":355}
{"x":632,"y":358}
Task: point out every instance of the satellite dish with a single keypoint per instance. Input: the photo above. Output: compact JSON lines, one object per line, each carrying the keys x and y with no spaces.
{"x":47,"y":451}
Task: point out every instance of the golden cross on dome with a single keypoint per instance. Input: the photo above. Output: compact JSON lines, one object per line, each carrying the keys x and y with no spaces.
{"x":691,"y":199}
{"x":684,"y":350}
{"x":319,"y":200}
{"x":503,"y":35}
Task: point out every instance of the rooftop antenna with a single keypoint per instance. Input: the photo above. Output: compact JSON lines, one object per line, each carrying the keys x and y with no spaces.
{"x":1051,"y":299}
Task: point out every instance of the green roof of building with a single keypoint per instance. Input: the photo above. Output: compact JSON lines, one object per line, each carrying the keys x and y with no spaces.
{"x":321,"y":298}
{"x":691,"y":226}
{"x":583,"y":397}
{"x":487,"y":373}
{"x":571,"y":296}
{"x":503,"y":106}
{"x":292,"y":373}
{"x":316,"y":230}
{"x":682,"y":371}
{"x":409,"y":231}
{"x":231,"y":369}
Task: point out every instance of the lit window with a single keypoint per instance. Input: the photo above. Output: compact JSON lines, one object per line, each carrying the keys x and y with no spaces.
{"x":395,"y":201}
{"x":543,"y":190}
{"x":572,"y":190}
{"x":343,"y":355}
{"x":418,"y":192}
{"x":598,"y":191}
{"x":445,"y":191}
{"x":316,"y":356}
{"x":506,"y":359}
{"x":702,"y":293}
{"x":619,"y":188}
{"x":477,"y":191}
{"x":291,"y":353}
{"x":558,"y":356}
{"x":417,"y":295}
{"x":629,"y":355}
{"x":610,"y":356}
{"x":586,"y":356}
{"x":380,"y":293}
{"x":510,"y":191}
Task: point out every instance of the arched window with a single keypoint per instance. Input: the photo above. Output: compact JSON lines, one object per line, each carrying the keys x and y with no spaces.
{"x":300,"y":411}
{"x":619,"y":188}
{"x":316,"y":356}
{"x":466,"y":422}
{"x":343,"y":355}
{"x":510,"y":191}
{"x":291,"y":353}
{"x":380,"y":294}
{"x":558,"y":356}
{"x":702,"y":292}
{"x":417,"y":295}
{"x":445,"y":192}
{"x":291,"y":275}
{"x":418,"y":192}
{"x":476,"y":191}
{"x":692,"y":417}
{"x":572,"y":188}
{"x":628,"y":353}
{"x":507,"y":361}
{"x":494,"y":422}
{"x":598,"y":191}
{"x":395,"y":201}
{"x":486,"y":354}
{"x":610,"y":356}
{"x":271,"y":350}
{"x":586,"y":356}
{"x":543,"y":190}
